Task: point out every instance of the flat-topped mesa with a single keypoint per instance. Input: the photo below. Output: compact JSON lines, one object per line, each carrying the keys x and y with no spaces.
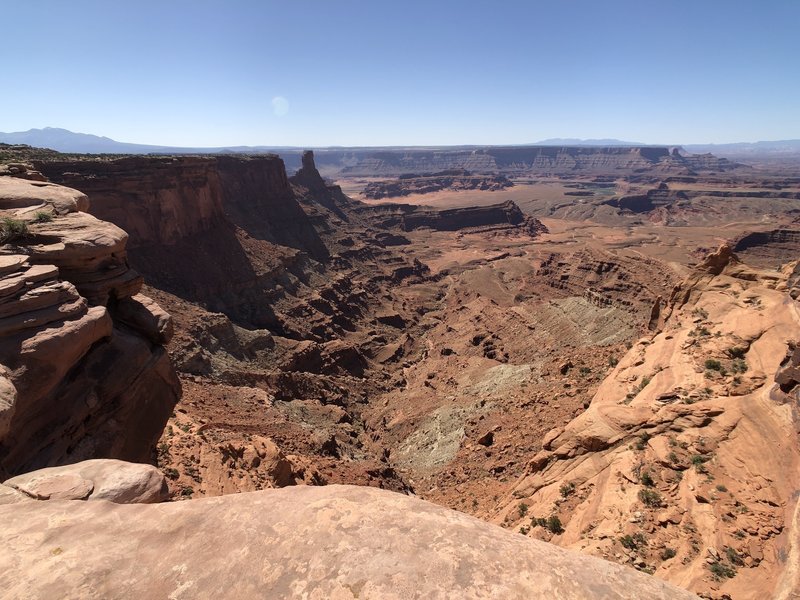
{"x":74,"y":383}
{"x":518,"y":160}
{"x":505,"y":215}
{"x":453,"y":179}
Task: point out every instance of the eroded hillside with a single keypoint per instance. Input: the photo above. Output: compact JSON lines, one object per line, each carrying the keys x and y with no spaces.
{"x":682,"y":464}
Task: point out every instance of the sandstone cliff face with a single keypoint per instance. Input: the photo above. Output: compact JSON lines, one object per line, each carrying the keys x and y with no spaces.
{"x":453,"y":180}
{"x":532,"y":160}
{"x":237,"y":217}
{"x":769,"y":248}
{"x":409,"y":217}
{"x":306,"y":542}
{"x":84,"y":372}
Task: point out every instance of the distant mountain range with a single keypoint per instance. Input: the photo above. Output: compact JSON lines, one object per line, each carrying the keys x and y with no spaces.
{"x":67,"y":141}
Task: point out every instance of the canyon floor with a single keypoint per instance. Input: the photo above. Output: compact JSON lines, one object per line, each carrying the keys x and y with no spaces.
{"x":607,"y":363}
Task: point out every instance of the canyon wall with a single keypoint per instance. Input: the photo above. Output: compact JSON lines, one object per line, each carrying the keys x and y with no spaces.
{"x":518,"y":160}
{"x":83,"y":369}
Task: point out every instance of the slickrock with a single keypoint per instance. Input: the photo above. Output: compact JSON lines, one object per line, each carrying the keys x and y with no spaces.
{"x":303,"y":542}
{"x":31,"y":196}
{"x":97,"y":479}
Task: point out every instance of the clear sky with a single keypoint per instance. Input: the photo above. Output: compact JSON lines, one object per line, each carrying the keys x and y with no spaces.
{"x":383,"y":72}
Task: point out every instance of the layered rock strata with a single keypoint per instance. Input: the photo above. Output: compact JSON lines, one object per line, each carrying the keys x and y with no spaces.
{"x":78,"y":381}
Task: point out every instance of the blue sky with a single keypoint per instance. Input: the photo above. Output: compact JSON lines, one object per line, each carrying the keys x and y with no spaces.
{"x":316,"y":73}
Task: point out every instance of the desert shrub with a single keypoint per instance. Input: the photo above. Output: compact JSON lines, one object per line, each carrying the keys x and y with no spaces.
{"x":721,"y":488}
{"x":12,"y":229}
{"x":738,"y":366}
{"x":737,"y":352}
{"x":650,"y":497}
{"x":522,"y":508}
{"x":42,"y":216}
{"x":647,"y":479}
{"x":554,"y":524}
{"x":567,"y":489}
{"x":721,"y":570}
{"x":668,"y":553}
{"x":613,"y":361}
{"x":641,"y":443}
{"x":712,"y":364}
{"x":632,"y":542}
{"x":733,"y":557}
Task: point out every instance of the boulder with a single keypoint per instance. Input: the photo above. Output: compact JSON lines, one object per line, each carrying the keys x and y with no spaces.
{"x":98,"y":479}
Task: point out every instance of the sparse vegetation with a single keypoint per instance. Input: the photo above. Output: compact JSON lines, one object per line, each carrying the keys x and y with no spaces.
{"x":713,"y":364}
{"x":721,"y":488}
{"x":650,"y":497}
{"x":12,"y":229}
{"x":42,"y":216}
{"x":522,"y":508}
{"x":633,"y":542}
{"x":567,"y":489}
{"x":721,"y":570}
{"x":668,"y":553}
{"x":738,"y":365}
{"x":737,"y":352}
{"x":733,"y":557}
{"x":647,"y":479}
{"x":554,"y":525}
{"x":641,"y":443}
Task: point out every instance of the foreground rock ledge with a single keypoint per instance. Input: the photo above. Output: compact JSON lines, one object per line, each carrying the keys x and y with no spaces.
{"x":310,"y":542}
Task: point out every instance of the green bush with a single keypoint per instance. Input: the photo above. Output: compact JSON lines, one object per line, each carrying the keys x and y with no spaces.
{"x":668,"y":553}
{"x":42,"y":216}
{"x":738,"y":366}
{"x":647,"y":479}
{"x":713,"y":364}
{"x":554,"y":524}
{"x":522,"y":508}
{"x":567,"y":489}
{"x":650,"y":497}
{"x":721,"y":570}
{"x":737,"y":352}
{"x":632,"y":542}
{"x":12,"y":229}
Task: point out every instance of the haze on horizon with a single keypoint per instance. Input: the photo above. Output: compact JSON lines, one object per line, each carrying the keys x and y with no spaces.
{"x":210,"y":73}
